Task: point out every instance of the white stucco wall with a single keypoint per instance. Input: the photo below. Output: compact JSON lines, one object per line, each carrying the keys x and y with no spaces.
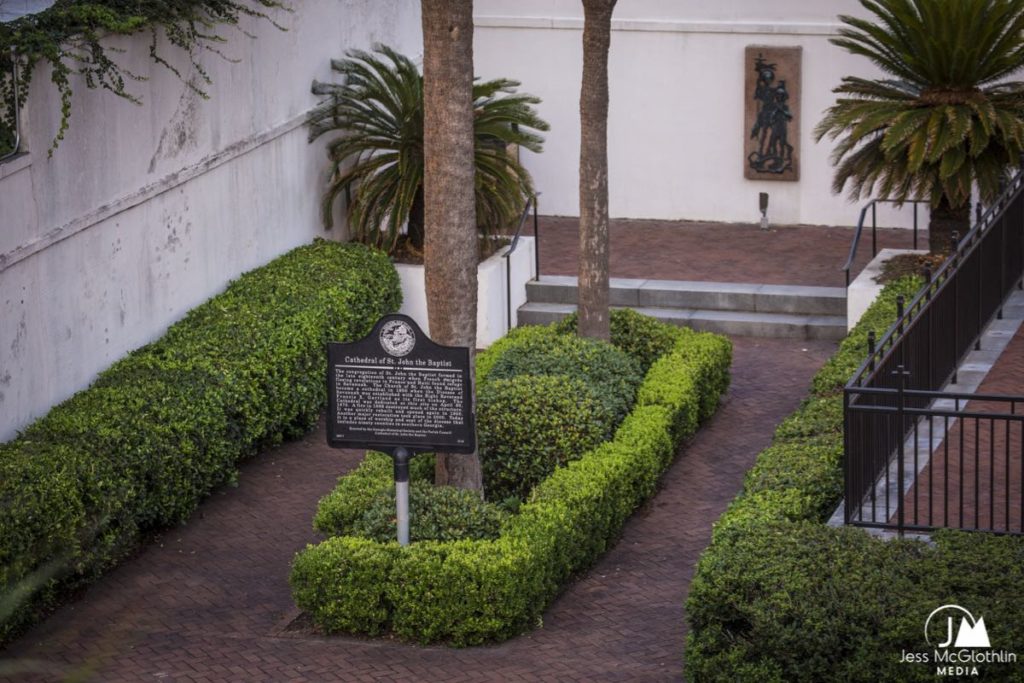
{"x":676,"y":80}
{"x":143,"y":212}
{"x":492,"y":291}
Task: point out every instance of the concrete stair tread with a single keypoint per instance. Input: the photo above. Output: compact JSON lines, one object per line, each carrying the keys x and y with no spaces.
{"x":703,"y":286}
{"x":698,"y":295}
{"x":743,"y":323}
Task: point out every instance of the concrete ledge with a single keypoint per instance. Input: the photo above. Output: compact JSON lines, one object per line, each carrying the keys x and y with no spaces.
{"x":863,"y":291}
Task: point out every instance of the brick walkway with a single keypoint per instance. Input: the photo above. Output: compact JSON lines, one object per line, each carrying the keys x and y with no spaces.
{"x":983,"y":454}
{"x":209,"y":601}
{"x":719,"y":252}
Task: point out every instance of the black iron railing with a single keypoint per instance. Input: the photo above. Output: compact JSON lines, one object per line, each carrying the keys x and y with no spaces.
{"x":531,"y":204}
{"x":898,"y":384}
{"x":958,"y":461}
{"x":872,"y":206}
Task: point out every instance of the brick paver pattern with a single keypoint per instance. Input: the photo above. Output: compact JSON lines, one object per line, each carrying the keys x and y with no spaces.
{"x":982,"y":454}
{"x":209,"y":601}
{"x":719,"y":252}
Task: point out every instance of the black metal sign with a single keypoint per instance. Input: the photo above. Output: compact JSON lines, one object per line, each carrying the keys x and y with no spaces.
{"x":395,"y":388}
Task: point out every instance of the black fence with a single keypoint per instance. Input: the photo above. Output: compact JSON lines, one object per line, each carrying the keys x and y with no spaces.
{"x":957,"y":463}
{"x":894,"y":394}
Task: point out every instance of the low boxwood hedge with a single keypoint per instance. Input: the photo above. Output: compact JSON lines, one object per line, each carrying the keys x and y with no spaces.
{"x":162,"y":427}
{"x":779,"y":596}
{"x":474,"y":591}
{"x":641,"y":336}
{"x":612,"y":375}
{"x":529,"y":425}
{"x":436,"y":513}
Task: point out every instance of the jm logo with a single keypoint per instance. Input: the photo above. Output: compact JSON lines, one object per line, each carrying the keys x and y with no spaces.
{"x":972,"y":632}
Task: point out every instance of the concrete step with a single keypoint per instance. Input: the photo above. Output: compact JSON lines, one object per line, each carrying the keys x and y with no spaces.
{"x":739,"y":323}
{"x":711,"y":296}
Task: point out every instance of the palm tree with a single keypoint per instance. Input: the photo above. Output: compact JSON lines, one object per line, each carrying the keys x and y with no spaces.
{"x":947,"y":118}
{"x":593,"y":266}
{"x":450,"y":149}
{"x":378,"y":160}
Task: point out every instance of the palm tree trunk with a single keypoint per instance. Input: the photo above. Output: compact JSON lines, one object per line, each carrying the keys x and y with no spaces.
{"x":593,"y":268}
{"x":943,"y":222}
{"x":416,"y":220}
{"x":450,"y":244}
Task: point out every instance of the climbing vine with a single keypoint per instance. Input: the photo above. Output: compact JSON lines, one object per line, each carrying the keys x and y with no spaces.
{"x":68,"y":36}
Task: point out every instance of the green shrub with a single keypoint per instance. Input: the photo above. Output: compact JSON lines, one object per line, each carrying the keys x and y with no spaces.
{"x":817,"y":417}
{"x":778,"y":596}
{"x":611,"y":374}
{"x":529,"y":425}
{"x":805,"y":602}
{"x":436,"y":513}
{"x":474,"y":591}
{"x":644,"y":338}
{"x":341,"y":582}
{"x":162,"y":427}
{"x":693,"y":396}
{"x":838,"y":370}
{"x":356,"y":491}
{"x":354,"y":494}
{"x":486,"y":359}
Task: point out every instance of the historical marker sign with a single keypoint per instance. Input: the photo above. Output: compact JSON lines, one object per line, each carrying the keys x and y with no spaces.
{"x":396,"y":388}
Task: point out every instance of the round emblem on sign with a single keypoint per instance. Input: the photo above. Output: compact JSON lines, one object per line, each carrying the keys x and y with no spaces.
{"x":397,"y":338}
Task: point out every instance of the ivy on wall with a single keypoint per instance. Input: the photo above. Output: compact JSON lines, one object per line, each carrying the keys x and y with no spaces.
{"x":68,"y":37}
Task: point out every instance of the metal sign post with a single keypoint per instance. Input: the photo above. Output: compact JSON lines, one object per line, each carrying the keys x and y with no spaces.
{"x":398,"y":392}
{"x":401,"y":457}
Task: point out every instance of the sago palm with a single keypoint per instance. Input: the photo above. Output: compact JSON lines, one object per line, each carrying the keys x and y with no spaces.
{"x":378,"y":159}
{"x":947,"y":119}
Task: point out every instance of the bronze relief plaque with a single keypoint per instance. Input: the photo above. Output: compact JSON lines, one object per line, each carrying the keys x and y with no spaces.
{"x":772,"y":113}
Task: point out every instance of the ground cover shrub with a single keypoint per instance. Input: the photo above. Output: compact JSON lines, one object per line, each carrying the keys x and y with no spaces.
{"x":779,"y":596}
{"x":357,"y":491}
{"x":639,"y":335}
{"x":612,"y":375}
{"x":529,"y":425}
{"x":468,"y":592}
{"x":339,"y":582}
{"x":436,"y":513}
{"x":853,"y":349}
{"x":162,"y":427}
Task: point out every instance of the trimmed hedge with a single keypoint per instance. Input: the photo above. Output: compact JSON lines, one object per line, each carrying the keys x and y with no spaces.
{"x":162,"y":427}
{"x":529,"y":425}
{"x":436,"y":513}
{"x":611,"y":375}
{"x":641,"y":336}
{"x":470,"y":592}
{"x":779,"y":596}
{"x":838,"y":370}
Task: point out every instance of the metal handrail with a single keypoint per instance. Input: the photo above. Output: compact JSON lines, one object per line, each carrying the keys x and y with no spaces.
{"x":873,"y":205}
{"x":531,"y":202}
{"x":961,"y":250}
{"x":17,"y":109}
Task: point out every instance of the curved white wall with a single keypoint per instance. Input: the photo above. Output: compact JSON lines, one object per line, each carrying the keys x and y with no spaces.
{"x":145,"y":211}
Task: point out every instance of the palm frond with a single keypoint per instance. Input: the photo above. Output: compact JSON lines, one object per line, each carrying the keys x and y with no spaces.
{"x":378,"y":157}
{"x":945,"y":116}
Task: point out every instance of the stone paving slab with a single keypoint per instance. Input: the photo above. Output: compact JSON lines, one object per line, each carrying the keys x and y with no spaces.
{"x":209,"y":601}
